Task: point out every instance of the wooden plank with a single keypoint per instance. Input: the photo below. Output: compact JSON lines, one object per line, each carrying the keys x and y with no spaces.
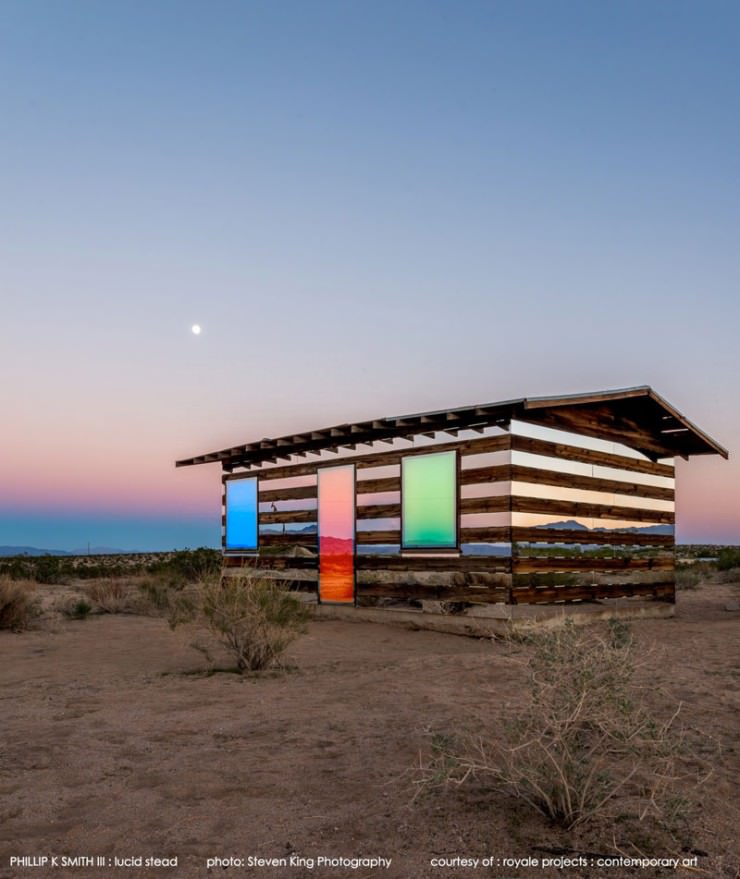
{"x":288,"y":516}
{"x":475,"y":475}
{"x":432,"y":593}
{"x":469,"y":579}
{"x":289,"y":538}
{"x":422,"y":564}
{"x":500,"y":504}
{"x":589,"y":577}
{"x":603,"y":422}
{"x":572,"y":509}
{"x":611,"y":538}
{"x":485,"y":535}
{"x":373,"y":537}
{"x":526,"y":565}
{"x":465,"y":505}
{"x":370,"y":486}
{"x":588,"y":456}
{"x":663,"y":591}
{"x":541,"y":476}
{"x":475,"y":446}
{"x":304,"y":492}
{"x":379,"y":511}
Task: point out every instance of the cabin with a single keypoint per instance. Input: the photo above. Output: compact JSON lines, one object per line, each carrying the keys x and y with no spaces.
{"x":468,"y":519}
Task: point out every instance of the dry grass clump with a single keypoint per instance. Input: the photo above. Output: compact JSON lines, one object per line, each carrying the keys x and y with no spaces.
{"x":18,"y":607}
{"x":688,"y":578}
{"x":585,"y":747}
{"x":117,"y":595}
{"x":253,"y":617}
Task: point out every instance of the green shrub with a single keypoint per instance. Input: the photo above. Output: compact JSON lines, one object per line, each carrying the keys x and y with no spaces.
{"x":77,"y":608}
{"x":188,"y":566}
{"x":50,"y":569}
{"x":18,"y":607}
{"x":728,"y":557}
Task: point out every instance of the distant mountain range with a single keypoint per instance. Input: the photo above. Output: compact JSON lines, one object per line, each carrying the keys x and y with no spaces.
{"x":34,"y":550}
{"x":572,"y":525}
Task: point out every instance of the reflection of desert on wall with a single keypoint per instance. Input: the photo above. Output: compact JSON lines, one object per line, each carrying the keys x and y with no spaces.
{"x":336,"y":569}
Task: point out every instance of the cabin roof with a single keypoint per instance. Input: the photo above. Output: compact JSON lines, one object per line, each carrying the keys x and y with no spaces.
{"x":636,"y":417}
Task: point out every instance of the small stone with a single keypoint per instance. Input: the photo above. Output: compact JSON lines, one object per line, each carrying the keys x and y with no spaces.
{"x":732,"y":605}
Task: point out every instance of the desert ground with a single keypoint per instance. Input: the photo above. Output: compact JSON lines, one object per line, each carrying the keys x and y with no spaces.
{"x":115,"y":744}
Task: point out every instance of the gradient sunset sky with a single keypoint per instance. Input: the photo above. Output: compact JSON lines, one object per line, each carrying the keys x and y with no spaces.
{"x":371,"y":208}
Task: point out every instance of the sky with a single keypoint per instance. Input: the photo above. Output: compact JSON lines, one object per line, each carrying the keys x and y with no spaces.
{"x":371,"y":208}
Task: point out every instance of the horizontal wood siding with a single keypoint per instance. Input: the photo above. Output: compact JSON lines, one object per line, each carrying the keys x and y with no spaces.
{"x":375,"y":537}
{"x":540,"y":476}
{"x":614,"y":563}
{"x":588,"y":456}
{"x":303,"y":492}
{"x":548,"y":564}
{"x":606,"y":538}
{"x":575,"y":509}
{"x":419,"y":592}
{"x":289,"y":538}
{"x":585,"y":592}
{"x":434,"y":563}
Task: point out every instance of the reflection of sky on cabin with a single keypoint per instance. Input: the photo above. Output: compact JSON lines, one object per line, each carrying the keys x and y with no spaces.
{"x":364,"y":221}
{"x":336,"y":496}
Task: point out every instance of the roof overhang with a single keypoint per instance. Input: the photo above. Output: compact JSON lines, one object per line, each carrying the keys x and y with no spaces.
{"x":636,"y":417}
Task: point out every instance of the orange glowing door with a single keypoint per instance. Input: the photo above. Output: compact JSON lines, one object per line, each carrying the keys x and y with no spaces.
{"x":337,"y":534}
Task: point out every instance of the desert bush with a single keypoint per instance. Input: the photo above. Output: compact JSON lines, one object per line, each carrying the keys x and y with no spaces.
{"x":168,"y":580}
{"x":687,"y":578}
{"x":50,"y":569}
{"x":18,"y":607}
{"x":187,"y":566}
{"x":17,"y":568}
{"x":728,"y":557}
{"x":55,"y":569}
{"x":77,"y":608}
{"x":253,"y":617}
{"x":111,"y":595}
{"x":157,"y":593}
{"x":585,"y":746}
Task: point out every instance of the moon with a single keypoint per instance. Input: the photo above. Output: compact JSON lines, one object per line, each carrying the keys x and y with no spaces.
{"x":195,"y":329}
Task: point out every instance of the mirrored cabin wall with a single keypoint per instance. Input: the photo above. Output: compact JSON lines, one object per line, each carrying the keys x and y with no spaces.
{"x":449,"y":541}
{"x":541,"y":516}
{"x":590,"y":519}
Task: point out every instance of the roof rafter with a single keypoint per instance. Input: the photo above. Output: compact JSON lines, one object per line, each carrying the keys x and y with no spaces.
{"x":637,"y":417}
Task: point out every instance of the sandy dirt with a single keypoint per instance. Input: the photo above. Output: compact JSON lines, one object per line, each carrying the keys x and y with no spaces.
{"x":114,"y":745}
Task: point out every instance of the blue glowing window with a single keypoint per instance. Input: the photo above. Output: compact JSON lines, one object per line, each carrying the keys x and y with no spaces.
{"x":241,"y":513}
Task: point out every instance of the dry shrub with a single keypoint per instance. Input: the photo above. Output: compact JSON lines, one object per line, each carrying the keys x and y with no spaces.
{"x":112,"y":595}
{"x":157,"y":594}
{"x":687,"y":578}
{"x":252,"y":616}
{"x":18,"y":608}
{"x":586,"y":745}
{"x":76,"y":608}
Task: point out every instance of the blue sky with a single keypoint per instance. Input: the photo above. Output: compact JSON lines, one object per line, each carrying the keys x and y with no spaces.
{"x":371,"y":208}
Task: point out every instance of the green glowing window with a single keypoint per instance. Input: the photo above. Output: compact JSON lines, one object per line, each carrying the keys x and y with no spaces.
{"x":429,"y":501}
